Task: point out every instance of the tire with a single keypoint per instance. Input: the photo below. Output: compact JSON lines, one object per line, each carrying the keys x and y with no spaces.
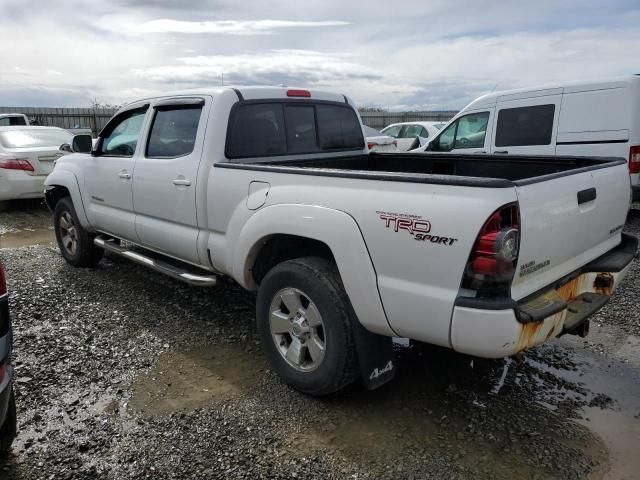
{"x":75,"y":243}
{"x":316,"y":284}
{"x":9,"y":427}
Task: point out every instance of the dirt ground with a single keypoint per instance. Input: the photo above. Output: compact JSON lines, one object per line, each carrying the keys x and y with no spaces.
{"x":123,"y":373}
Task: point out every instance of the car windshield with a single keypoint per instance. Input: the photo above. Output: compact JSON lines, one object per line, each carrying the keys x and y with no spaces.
{"x":34,"y":138}
{"x":371,"y":132}
{"x":438,"y":125}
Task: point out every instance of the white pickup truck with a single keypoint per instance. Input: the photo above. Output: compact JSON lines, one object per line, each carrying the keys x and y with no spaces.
{"x":274,"y":187}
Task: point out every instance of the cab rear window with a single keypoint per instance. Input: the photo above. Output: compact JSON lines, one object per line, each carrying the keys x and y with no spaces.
{"x":285,"y":128}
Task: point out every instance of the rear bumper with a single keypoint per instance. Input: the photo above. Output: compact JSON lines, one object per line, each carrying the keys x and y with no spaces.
{"x":503,"y":327}
{"x":15,"y":184}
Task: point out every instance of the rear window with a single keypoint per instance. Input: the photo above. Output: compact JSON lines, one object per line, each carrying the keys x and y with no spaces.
{"x":283,"y":128}
{"x":34,"y":138}
{"x":12,"y":121}
{"x":525,"y":126}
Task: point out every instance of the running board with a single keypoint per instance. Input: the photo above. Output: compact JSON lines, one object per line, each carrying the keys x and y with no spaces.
{"x":157,"y":265}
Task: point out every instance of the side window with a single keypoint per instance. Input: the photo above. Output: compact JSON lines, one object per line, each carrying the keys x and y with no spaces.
{"x":120,"y":136}
{"x":525,"y":126}
{"x":423,"y":132}
{"x":173,"y":131}
{"x":471,"y":130}
{"x":301,"y":129}
{"x":444,"y":141}
{"x":410,"y":131}
{"x":392,"y":131}
{"x":257,"y":130}
{"x":338,"y":128}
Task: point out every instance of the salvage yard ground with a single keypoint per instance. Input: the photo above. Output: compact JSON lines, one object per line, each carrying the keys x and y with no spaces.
{"x":123,"y":373}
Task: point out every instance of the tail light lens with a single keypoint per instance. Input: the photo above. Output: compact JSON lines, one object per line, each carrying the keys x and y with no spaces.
{"x":634,"y":159}
{"x":370,"y":145}
{"x":494,"y":256}
{"x":16,"y":164}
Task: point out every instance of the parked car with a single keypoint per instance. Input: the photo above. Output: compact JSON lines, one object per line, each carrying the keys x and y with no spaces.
{"x":27,"y":155}
{"x":13,"y":119}
{"x":7,"y":400}
{"x":412,"y":134}
{"x":377,"y":142}
{"x":275,"y":188}
{"x":596,"y":118}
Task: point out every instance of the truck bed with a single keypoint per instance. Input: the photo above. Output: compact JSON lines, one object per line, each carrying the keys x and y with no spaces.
{"x":473,"y":170}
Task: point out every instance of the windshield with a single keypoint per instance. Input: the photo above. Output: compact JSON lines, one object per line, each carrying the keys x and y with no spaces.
{"x":438,"y":125}
{"x":34,"y":138}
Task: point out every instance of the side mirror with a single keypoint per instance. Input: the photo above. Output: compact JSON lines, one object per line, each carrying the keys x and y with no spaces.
{"x":65,"y":147}
{"x":81,"y":143}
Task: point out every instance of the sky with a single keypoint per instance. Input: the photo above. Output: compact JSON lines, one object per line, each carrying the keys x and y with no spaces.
{"x":414,"y":55}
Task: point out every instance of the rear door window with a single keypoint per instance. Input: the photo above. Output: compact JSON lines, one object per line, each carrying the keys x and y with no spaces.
{"x":282,"y":128}
{"x":173,"y":132}
{"x":525,"y":126}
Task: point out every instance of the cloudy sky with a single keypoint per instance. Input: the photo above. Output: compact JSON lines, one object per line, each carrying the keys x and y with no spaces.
{"x":429,"y":54}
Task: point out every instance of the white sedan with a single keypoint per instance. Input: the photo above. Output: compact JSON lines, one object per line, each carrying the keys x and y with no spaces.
{"x":27,"y":155}
{"x":377,"y":142}
{"x":407,"y":132}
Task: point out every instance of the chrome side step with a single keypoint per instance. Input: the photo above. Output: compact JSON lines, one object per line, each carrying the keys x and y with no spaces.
{"x":157,"y":265}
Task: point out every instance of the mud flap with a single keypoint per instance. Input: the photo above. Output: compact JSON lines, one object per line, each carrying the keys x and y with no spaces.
{"x":375,"y":356}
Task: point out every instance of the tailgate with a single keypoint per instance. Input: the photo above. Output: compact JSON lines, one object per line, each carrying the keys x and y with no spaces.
{"x":568,"y":221}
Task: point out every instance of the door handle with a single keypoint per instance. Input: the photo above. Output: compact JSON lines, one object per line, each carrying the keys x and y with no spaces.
{"x":501,"y":151}
{"x":586,"y":195}
{"x":182,"y":181}
{"x":124,"y":174}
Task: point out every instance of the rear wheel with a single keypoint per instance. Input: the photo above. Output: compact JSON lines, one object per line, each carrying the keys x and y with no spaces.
{"x":304,"y":320}
{"x":9,"y":427}
{"x":76,"y":244}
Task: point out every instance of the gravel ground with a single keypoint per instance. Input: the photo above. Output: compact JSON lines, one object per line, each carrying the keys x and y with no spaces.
{"x":123,"y":373}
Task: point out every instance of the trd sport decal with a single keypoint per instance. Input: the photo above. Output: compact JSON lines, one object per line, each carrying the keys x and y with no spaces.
{"x":416,"y":226}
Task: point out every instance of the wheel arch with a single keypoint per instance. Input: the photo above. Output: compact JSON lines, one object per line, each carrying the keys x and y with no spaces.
{"x":63,"y":183}
{"x":281,"y":231}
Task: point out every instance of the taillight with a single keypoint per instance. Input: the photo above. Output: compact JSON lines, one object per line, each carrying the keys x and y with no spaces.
{"x":3,"y":281}
{"x":16,"y":164}
{"x":634,"y":159}
{"x":299,"y":93}
{"x":494,"y":256}
{"x":370,"y":145}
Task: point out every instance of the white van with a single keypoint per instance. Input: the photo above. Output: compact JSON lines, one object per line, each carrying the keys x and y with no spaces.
{"x":587,"y":118}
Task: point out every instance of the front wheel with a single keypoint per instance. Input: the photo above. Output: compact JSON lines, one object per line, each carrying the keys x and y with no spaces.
{"x":304,"y":319}
{"x":76,"y":244}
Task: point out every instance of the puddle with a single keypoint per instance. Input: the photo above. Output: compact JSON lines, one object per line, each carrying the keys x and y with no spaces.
{"x":612,"y":387}
{"x":185,"y":381}
{"x":21,"y":238}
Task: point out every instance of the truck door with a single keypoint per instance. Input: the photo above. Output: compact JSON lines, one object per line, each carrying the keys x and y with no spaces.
{"x":527,"y":126}
{"x":470,"y":133}
{"x":108,"y":175}
{"x":164,"y":182}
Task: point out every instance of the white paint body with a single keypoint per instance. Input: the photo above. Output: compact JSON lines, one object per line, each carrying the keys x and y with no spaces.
{"x":429,"y":130}
{"x":597,"y":118}
{"x":397,"y":286}
{"x":20,"y":184}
